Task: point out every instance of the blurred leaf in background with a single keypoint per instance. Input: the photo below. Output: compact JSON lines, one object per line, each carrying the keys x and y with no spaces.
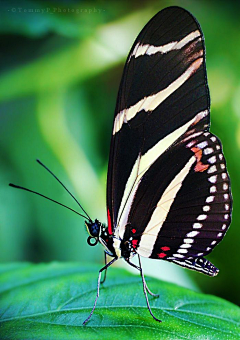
{"x":61,"y":64}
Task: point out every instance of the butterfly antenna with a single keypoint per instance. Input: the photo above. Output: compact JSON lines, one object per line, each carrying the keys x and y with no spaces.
{"x":39,"y":162}
{"x":50,"y":199}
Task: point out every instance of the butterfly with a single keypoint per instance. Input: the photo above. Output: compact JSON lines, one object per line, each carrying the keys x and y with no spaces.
{"x":168,"y":189}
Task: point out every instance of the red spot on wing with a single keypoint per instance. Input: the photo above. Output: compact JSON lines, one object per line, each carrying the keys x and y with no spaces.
{"x":198,"y":153}
{"x":200,"y":167}
{"x":134,"y":243}
{"x":109,"y":223}
{"x":134,"y":231}
{"x":165,"y":248}
{"x":161,"y":255}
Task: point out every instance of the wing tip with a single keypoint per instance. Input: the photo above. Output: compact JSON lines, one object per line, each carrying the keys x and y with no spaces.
{"x":199,"y":264}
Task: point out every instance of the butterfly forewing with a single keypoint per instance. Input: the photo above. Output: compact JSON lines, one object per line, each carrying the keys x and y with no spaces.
{"x":164,"y":165}
{"x":161,"y":91}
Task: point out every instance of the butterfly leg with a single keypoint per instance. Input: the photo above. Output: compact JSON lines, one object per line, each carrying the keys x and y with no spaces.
{"x":145,"y":288}
{"x":98,"y":286}
{"x":105,"y":271}
{"x":148,"y":290}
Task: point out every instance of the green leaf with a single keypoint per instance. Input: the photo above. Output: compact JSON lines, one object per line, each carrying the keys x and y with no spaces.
{"x":50,"y":301}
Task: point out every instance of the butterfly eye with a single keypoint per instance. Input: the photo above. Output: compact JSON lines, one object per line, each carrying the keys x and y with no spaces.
{"x":94,"y":228}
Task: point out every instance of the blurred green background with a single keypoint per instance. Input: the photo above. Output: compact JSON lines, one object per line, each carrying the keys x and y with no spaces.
{"x":61,"y":64}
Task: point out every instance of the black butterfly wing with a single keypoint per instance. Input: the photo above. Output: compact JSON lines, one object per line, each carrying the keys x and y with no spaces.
{"x":175,"y":72}
{"x":163,"y":105}
{"x":188,"y":213}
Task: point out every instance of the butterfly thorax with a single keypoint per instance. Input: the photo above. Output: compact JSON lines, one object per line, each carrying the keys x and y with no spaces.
{"x":126,"y":249}
{"x":126,"y":246}
{"x":107,"y":241}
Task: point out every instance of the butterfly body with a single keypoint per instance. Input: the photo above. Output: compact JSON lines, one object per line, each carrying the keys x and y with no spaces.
{"x":99,"y":233}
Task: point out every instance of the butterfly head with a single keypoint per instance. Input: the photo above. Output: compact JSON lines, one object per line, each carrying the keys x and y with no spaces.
{"x":94,"y":229}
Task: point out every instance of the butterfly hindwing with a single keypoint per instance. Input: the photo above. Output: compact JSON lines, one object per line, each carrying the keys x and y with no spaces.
{"x":196,"y":205}
{"x":181,"y":218}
